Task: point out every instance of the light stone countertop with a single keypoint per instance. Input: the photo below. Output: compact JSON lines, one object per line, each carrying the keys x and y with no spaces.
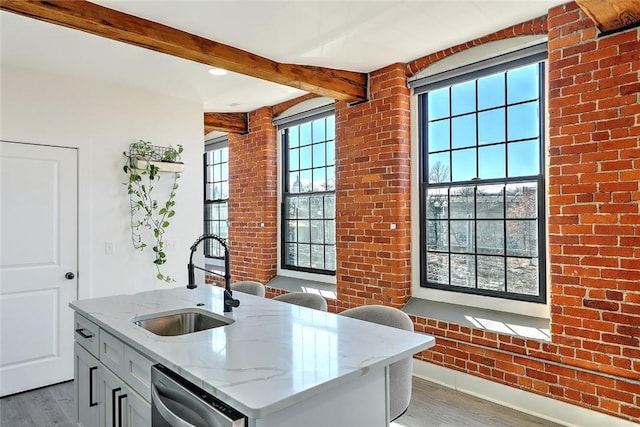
{"x":274,"y":355}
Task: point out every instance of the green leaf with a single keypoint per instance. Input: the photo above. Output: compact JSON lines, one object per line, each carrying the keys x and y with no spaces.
{"x":159,"y":276}
{"x":162,"y":211}
{"x":165,"y":224}
{"x":171,"y":214}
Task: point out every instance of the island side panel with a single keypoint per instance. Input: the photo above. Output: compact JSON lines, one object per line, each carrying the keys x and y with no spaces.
{"x":360,"y":402}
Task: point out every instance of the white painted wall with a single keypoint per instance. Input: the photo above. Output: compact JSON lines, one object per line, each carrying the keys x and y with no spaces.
{"x":101,"y":120}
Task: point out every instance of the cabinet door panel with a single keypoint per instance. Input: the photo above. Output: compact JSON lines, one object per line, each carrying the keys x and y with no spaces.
{"x":111,"y":388}
{"x":87,"y":373}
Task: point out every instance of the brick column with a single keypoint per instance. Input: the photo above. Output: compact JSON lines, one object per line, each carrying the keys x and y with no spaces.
{"x":253,"y":198}
{"x":373,"y":180}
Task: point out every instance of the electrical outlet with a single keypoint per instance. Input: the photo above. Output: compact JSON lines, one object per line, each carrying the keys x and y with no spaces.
{"x":393,"y":226}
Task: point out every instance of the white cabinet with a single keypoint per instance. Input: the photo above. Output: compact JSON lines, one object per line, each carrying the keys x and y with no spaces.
{"x":113,"y":380}
{"x":123,"y":407}
{"x":87,"y":372}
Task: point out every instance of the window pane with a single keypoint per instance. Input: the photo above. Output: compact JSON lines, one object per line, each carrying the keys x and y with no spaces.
{"x":217,"y":175}
{"x":522,"y":238}
{"x":464,"y":165}
{"x":491,"y":91}
{"x":439,"y":135}
{"x":491,"y":162}
{"x":317,"y":231}
{"x":330,"y":232}
{"x":304,"y":232}
{"x":292,"y":254}
{"x":522,"y":84}
{"x":463,"y":97}
{"x":304,"y":256}
{"x":305,"y":157}
{"x":224,"y":190}
{"x":293,"y":136}
{"x":294,"y":161}
{"x":318,"y":155}
{"x":224,"y":210}
{"x":331,"y":180}
{"x":522,"y":200}
{"x":290,"y":231}
{"x":438,"y":268}
{"x":438,"y":103}
{"x":294,"y":182}
{"x":463,"y":131}
{"x":290,"y":207}
{"x":490,"y":238}
{"x":318,"y":130}
{"x":491,"y":273}
{"x":225,"y":172}
{"x":209,"y":174}
{"x":522,"y":121}
{"x":316,"y":206}
{"x":524,"y":158}
{"x":305,"y":181}
{"x":491,"y":126}
{"x":303,"y":207}
{"x":437,"y":203}
{"x":319,"y":180}
{"x":461,"y":202}
{"x":209,"y":191}
{"x":522,"y":276}
{"x":462,"y":237}
{"x":490,"y":201}
{"x":463,"y":270}
{"x":439,"y":168}
{"x":317,"y":256}
{"x":331,"y":152}
{"x":331,"y":127}
{"x":330,"y":206}
{"x":437,"y":235}
{"x":305,"y":134}
{"x":224,"y":154}
{"x":330,"y":257}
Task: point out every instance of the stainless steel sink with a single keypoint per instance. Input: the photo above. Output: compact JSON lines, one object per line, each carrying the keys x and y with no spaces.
{"x":181,"y":322}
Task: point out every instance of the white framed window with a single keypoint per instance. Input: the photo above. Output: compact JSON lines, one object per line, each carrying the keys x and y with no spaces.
{"x":481,"y":178}
{"x":216,"y":194}
{"x":307,"y":194}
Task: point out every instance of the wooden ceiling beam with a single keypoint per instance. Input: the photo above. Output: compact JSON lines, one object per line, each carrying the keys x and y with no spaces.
{"x":226,"y":122}
{"x":612,"y":15}
{"x":82,"y":15}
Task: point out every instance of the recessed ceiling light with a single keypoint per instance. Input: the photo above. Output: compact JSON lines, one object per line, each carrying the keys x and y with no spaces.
{"x":217,"y":71}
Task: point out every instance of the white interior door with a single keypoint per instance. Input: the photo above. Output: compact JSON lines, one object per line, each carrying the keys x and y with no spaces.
{"x":38,"y":247}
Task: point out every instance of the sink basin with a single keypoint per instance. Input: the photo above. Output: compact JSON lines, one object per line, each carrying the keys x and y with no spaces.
{"x":180,"y":322}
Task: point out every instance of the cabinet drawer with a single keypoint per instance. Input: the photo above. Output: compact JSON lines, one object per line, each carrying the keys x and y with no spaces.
{"x":86,"y":334}
{"x":112,"y":352}
{"x":137,"y":372}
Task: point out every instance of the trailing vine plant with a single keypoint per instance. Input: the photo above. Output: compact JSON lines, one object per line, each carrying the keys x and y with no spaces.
{"x":143,"y":170}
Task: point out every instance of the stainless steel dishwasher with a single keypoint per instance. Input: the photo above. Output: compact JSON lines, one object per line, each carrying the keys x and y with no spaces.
{"x":176,"y":402}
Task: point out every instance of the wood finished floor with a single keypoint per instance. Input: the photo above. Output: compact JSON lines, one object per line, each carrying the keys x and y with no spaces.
{"x":432,"y":405}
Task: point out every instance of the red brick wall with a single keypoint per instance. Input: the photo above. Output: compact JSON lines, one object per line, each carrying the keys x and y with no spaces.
{"x":373,"y":174}
{"x":253,"y":190}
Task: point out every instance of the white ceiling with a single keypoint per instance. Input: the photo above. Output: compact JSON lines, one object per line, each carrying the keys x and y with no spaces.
{"x":346,"y":34}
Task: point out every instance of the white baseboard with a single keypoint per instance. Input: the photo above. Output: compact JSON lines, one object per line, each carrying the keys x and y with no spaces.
{"x":530,"y":403}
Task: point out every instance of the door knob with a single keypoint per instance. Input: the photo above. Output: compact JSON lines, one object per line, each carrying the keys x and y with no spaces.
{"x":69,"y":275}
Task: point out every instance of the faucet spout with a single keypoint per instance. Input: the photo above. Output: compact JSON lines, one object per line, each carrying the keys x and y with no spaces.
{"x":229,"y":301}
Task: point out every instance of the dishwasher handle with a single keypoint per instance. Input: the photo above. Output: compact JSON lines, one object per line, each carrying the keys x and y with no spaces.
{"x":164,"y":411}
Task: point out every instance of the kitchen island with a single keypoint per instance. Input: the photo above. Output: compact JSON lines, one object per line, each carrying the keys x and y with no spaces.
{"x":277,"y":363}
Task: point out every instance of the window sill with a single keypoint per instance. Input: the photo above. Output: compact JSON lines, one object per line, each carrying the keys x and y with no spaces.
{"x":480,"y":318}
{"x":292,"y":284}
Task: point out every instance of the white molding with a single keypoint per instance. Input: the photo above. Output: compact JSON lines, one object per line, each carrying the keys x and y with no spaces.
{"x":511,"y":397}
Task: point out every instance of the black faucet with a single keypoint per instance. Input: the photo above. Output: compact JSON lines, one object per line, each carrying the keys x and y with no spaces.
{"x":229,"y":301}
